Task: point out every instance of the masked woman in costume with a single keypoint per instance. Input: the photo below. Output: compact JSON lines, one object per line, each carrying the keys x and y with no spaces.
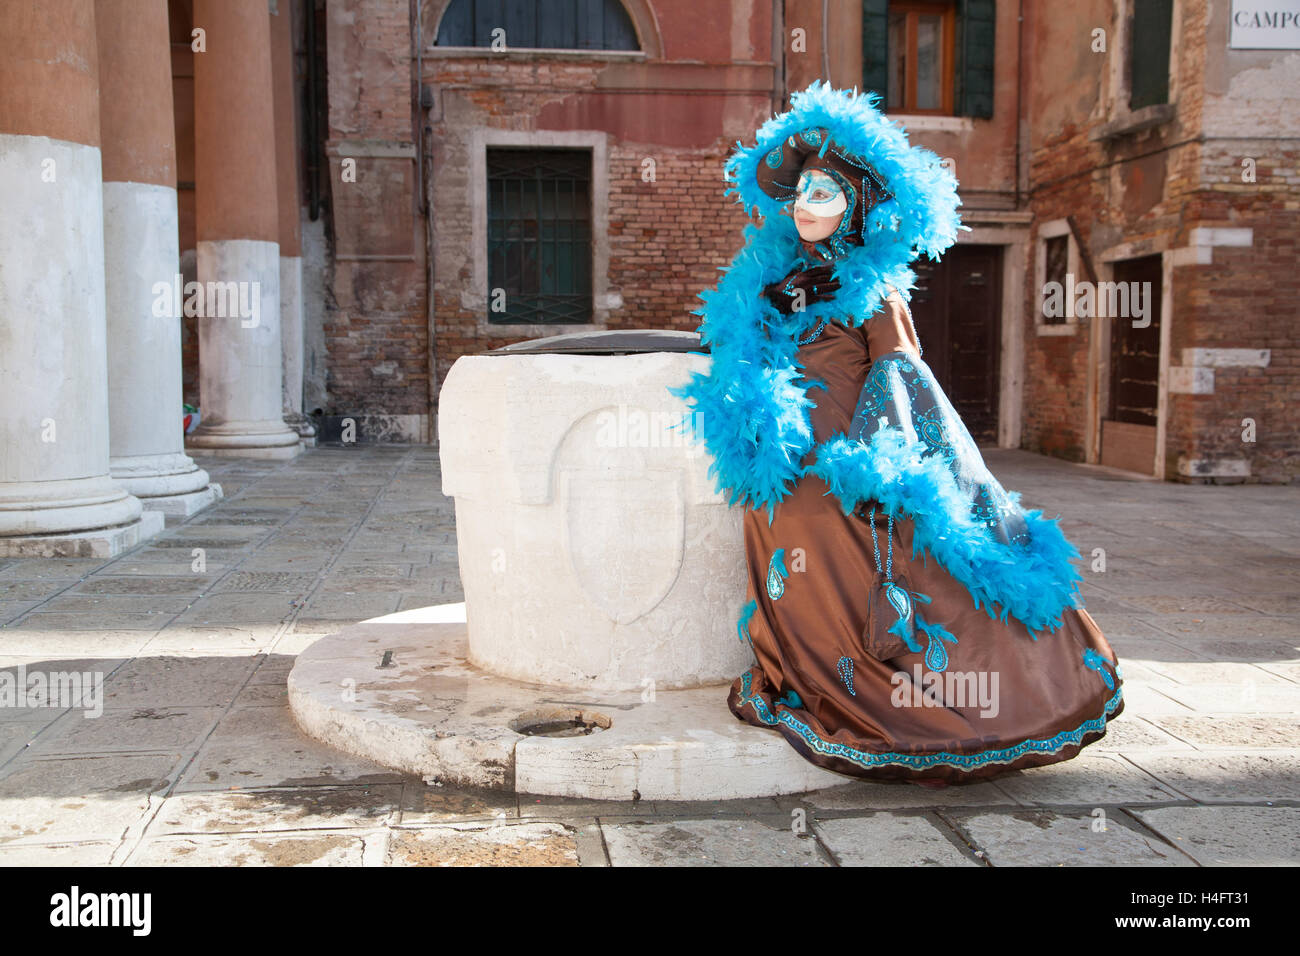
{"x":909,"y":620}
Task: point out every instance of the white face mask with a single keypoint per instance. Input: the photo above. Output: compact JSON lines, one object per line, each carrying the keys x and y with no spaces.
{"x":818,"y":194}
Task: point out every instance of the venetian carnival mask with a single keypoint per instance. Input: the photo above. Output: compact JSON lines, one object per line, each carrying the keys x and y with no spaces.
{"x":818,"y":195}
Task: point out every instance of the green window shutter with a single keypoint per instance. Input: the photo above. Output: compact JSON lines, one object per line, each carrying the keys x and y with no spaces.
{"x":976,"y":20}
{"x":875,"y":48}
{"x":1149,"y":53}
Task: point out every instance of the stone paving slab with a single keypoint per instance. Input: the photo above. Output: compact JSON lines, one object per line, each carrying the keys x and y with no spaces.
{"x":50,"y":569}
{"x":1211,"y":731}
{"x":709,"y":843}
{"x":425,"y":805}
{"x":91,"y":674}
{"x":294,"y":808}
{"x":1230,"y":836}
{"x":1050,"y":838}
{"x":298,"y":849}
{"x":16,"y":735}
{"x":177,"y":681}
{"x":1132,"y":733}
{"x":181,"y":640}
{"x":863,"y":795}
{"x":81,"y":853}
{"x":61,"y":799}
{"x":1090,"y":779}
{"x":523,"y":844}
{"x":110,"y":605}
{"x":1246,"y":697}
{"x":140,"y":620}
{"x":122,"y":731}
{"x":890,"y":839}
{"x":1227,"y":777}
{"x":123,"y":584}
{"x":226,"y":609}
{"x":243,"y":763}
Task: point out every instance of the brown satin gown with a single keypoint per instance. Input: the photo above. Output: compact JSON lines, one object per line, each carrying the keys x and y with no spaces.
{"x":1048,"y":703}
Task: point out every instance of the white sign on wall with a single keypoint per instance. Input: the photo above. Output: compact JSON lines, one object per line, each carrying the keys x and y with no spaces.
{"x":1265,"y":25}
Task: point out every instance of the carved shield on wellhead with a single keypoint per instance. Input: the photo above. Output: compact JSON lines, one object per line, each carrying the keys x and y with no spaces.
{"x":624,"y":535}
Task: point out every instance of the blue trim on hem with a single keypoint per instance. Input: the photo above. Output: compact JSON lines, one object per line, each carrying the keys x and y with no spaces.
{"x":862,"y":758}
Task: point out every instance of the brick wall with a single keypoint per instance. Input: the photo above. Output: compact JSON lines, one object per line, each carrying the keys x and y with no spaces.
{"x":1148,"y":191}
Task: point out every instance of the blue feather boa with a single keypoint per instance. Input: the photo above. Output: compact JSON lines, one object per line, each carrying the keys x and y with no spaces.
{"x":750,"y":409}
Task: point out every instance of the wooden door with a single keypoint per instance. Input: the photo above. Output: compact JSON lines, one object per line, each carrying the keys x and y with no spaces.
{"x":1128,"y":428}
{"x":957,"y":307}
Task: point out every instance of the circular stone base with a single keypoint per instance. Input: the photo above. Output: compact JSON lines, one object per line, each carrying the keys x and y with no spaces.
{"x":399,"y":690}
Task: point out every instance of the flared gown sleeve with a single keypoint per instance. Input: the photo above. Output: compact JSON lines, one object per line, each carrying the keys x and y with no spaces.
{"x":901,"y":393}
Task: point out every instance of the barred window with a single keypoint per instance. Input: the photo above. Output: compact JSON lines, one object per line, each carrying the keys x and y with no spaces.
{"x":1056,"y":252}
{"x":539,"y":236}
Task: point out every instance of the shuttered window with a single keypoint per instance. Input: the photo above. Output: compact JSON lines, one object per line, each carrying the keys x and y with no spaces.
{"x":539,"y":235}
{"x":930,"y":57}
{"x":538,"y":24}
{"x":1149,"y":33}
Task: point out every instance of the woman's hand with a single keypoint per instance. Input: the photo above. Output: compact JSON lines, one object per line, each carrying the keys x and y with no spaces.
{"x":817,"y":284}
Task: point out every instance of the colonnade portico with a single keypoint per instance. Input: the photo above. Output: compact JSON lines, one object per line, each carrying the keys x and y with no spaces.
{"x":92,"y":451}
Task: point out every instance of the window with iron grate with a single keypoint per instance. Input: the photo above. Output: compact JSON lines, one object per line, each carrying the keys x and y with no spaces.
{"x":539,"y":236}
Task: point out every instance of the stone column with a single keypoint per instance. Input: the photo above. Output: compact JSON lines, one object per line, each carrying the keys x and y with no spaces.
{"x":286,"y":169}
{"x":240,"y":364}
{"x":56,"y":494}
{"x":142,"y":260}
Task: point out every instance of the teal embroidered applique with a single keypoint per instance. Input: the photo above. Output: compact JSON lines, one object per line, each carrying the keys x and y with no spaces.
{"x":776,"y":572}
{"x":1098,"y":663}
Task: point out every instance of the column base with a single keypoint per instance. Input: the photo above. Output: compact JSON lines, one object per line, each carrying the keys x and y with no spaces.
{"x":97,"y":543}
{"x":273,"y":440}
{"x":183,"y":506}
{"x":170,"y":483}
{"x":303,"y":426}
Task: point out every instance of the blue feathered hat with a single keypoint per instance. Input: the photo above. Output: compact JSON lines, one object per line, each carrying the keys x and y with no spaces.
{"x":917,"y":216}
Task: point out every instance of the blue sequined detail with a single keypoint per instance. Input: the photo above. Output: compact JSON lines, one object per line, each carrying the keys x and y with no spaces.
{"x":742,"y":624}
{"x":943,"y":758}
{"x":812,"y":137}
{"x":775,"y":573}
{"x":813,"y":335}
{"x":774,"y":158}
{"x":845,"y":667}
{"x":936,"y":655}
{"x":1098,"y":663}
{"x":901,"y":602}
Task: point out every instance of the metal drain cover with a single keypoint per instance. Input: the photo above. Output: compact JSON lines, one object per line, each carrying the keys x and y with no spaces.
{"x":560,"y":722}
